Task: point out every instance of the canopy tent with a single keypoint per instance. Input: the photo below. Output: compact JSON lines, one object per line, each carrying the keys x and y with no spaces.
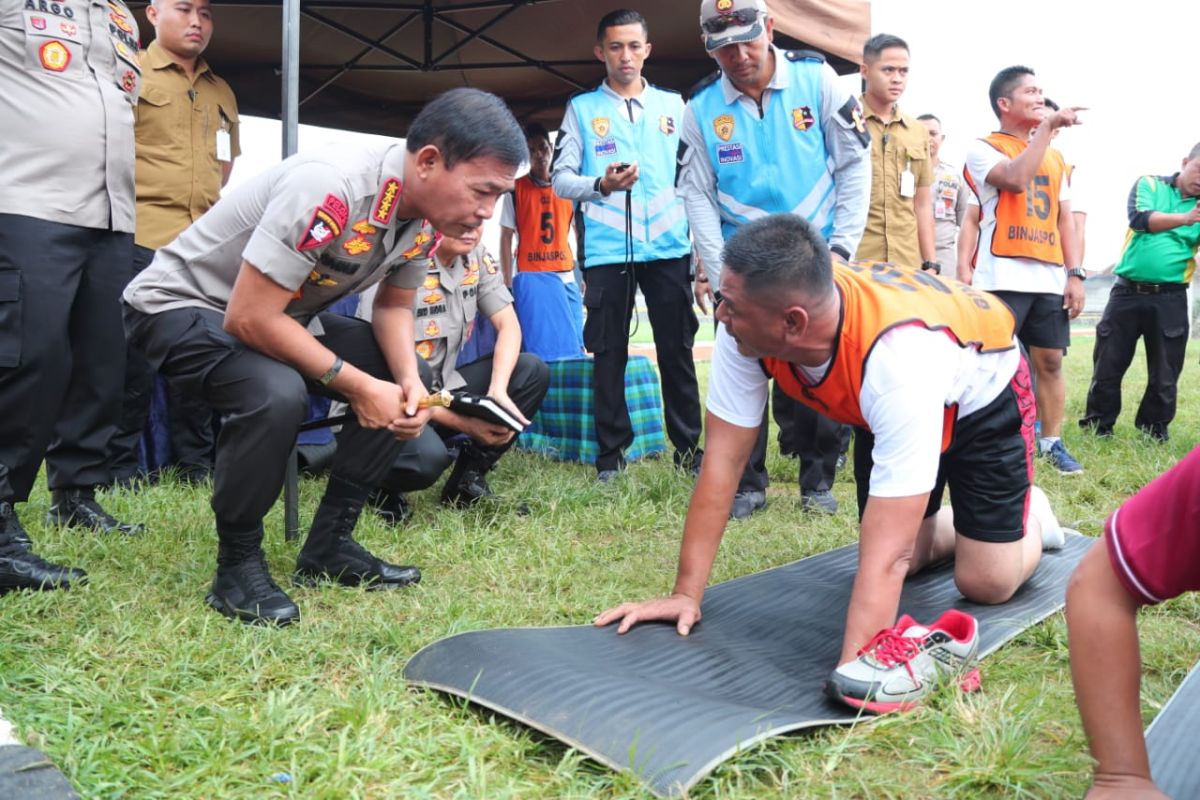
{"x":369,"y":65}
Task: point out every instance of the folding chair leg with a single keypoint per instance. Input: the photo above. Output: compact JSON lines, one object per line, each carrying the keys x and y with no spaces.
{"x":291,"y":499}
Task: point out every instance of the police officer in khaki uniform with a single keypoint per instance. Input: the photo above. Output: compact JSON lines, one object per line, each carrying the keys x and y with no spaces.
{"x":462,"y":280}
{"x":70,"y":75}
{"x":187,"y":140}
{"x":232,"y":311}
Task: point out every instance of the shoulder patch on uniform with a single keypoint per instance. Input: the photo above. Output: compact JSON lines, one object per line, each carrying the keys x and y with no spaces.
{"x":851,"y":114}
{"x":337,"y":208}
{"x":321,"y":230}
{"x":805,"y":55}
{"x":704,"y":83}
{"x":385,"y":203}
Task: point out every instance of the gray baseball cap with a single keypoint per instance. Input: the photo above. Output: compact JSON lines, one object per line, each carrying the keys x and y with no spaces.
{"x":731,"y":21}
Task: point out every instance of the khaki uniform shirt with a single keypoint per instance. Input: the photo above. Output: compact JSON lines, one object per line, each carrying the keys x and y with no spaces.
{"x":445,"y":310}
{"x":178,"y":125}
{"x":69,"y":75}
{"x":900,"y":146}
{"x":950,"y":197}
{"x":322,"y":226}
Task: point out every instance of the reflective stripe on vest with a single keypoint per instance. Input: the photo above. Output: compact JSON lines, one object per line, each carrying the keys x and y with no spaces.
{"x":659,"y":222}
{"x":775,"y":164}
{"x":877,"y":298}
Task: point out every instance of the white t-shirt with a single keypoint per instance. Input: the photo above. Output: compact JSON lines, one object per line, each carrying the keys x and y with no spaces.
{"x":911,"y":376}
{"x":994,"y":272}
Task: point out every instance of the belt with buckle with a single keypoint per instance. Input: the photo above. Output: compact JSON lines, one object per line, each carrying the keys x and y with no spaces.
{"x":1150,"y":288}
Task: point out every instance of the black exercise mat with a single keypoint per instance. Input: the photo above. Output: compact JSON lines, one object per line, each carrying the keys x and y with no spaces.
{"x":671,"y":708}
{"x":1171,"y":744}
{"x":28,"y":774}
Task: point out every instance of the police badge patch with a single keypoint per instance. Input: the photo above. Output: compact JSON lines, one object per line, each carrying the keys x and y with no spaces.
{"x":723,"y":127}
{"x":802,"y":118}
{"x":600,"y":126}
{"x":666,"y":125}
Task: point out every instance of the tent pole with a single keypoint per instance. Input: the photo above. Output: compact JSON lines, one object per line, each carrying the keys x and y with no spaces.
{"x":290,"y":102}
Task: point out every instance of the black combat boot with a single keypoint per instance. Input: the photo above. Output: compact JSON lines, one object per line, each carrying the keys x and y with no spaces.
{"x":20,"y":568}
{"x":78,"y":508}
{"x":466,"y":485}
{"x":331,"y":553}
{"x":243,"y":588}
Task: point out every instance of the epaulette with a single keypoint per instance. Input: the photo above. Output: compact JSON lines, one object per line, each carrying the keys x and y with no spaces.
{"x":805,"y":55}
{"x":704,"y":83}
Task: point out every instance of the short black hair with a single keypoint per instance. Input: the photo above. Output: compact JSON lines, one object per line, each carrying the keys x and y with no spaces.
{"x":924,"y":117}
{"x":1003,"y":84}
{"x":536,"y":130}
{"x":621,"y":16}
{"x":880,"y":42}
{"x":469,"y":123}
{"x":779,"y":252}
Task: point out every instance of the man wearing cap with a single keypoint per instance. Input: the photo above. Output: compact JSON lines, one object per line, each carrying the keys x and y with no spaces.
{"x":615,"y":154}
{"x":768,"y":113}
{"x":232,"y":311}
{"x":71,"y":76}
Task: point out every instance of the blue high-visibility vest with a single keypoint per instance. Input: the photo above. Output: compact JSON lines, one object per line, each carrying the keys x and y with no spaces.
{"x":659,"y":223}
{"x":775,"y":164}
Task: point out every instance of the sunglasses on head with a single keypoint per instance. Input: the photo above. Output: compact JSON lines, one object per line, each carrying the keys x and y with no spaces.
{"x":737,"y":19}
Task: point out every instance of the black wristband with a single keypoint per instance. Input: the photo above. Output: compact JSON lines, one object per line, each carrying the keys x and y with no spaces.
{"x":838,"y":250}
{"x":596,"y":187}
{"x":932,"y":266}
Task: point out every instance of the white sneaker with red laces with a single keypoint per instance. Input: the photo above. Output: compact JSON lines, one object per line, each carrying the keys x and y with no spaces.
{"x":904,"y":663}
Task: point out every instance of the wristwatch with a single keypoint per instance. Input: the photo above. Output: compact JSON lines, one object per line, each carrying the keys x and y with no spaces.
{"x":328,"y":377}
{"x":932,"y":266}
{"x":1077,"y":272}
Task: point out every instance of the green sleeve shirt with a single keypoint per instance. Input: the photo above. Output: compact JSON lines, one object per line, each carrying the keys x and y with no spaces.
{"x":1166,"y":256}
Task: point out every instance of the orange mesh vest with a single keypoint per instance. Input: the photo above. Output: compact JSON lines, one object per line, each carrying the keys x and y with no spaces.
{"x":875,"y":299}
{"x":1027,"y":222}
{"x":543,"y":224}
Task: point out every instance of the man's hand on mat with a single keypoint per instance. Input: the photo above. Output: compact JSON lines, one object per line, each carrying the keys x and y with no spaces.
{"x":681,"y":609}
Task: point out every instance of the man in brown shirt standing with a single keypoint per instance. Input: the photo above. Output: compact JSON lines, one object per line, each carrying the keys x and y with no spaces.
{"x":900,"y":219}
{"x":187,"y":139}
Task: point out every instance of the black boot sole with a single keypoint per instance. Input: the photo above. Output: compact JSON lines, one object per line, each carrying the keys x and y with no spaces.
{"x":312,"y":580}
{"x":247,"y":617}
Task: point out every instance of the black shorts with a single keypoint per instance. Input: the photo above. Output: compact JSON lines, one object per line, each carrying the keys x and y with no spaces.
{"x":1041,"y":319}
{"x":988,"y":466}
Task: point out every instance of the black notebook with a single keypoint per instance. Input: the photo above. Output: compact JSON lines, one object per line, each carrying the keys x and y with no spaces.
{"x":484,"y":408}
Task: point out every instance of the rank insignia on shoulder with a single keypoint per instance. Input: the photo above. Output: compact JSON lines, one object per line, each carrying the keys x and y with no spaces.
{"x":385,"y":203}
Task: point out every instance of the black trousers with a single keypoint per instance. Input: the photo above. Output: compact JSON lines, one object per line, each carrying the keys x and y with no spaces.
{"x":815,"y":438}
{"x":190,"y":421}
{"x":609,"y":298}
{"x":1162,"y":321}
{"x":422,"y":460}
{"x":262,"y":403}
{"x":62,"y":351}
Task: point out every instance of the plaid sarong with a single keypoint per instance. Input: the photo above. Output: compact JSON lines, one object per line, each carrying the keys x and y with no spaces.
{"x":564,"y":428}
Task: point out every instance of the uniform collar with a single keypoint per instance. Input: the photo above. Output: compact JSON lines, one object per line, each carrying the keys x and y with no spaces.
{"x":155,"y":56}
{"x":781,"y":79}
{"x":896,"y":115}
{"x":608,"y":90}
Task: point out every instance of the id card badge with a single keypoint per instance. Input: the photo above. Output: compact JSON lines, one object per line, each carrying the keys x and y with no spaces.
{"x":224,"y":146}
{"x":908,"y":184}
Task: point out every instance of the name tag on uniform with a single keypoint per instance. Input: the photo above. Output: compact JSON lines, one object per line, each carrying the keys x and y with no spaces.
{"x":224,"y":146}
{"x":908,"y":184}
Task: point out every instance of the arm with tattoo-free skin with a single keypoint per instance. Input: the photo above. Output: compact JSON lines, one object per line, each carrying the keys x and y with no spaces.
{"x":392,"y":324}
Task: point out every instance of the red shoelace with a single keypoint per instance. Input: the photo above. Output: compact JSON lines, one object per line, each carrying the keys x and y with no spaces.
{"x":890,"y":648}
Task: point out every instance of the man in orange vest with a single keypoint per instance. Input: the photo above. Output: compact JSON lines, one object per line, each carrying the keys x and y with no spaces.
{"x":1028,"y":253}
{"x":549,"y":306}
{"x":929,"y":371}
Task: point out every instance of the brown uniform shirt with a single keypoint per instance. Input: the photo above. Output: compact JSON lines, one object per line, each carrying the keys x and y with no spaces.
{"x":897,"y":147}
{"x":178,"y":131}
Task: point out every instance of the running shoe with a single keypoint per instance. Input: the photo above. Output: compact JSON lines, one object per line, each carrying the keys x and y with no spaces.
{"x":904,"y":663}
{"x":1061,"y":460}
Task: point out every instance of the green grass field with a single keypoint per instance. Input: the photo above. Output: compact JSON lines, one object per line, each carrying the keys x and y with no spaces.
{"x":137,"y":690}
